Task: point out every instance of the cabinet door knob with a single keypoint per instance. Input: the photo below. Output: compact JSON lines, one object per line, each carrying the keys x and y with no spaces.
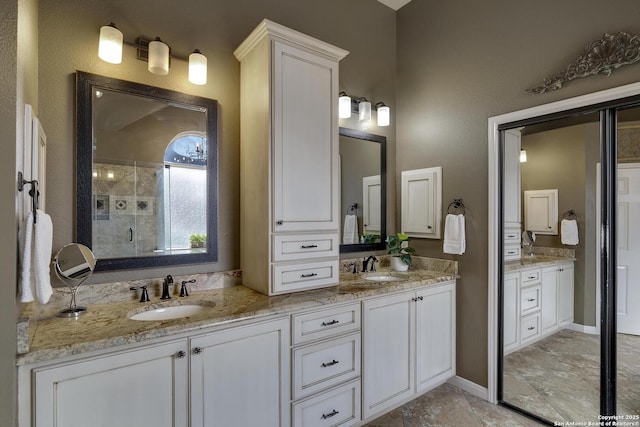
{"x":327,"y":364}
{"x":181,"y":354}
{"x":197,"y":350}
{"x":279,"y":222}
{"x":420,"y":298}
{"x":330,"y":414}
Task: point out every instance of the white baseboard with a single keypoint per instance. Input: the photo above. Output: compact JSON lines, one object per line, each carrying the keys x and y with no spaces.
{"x":469,"y":387}
{"x":582,"y":328}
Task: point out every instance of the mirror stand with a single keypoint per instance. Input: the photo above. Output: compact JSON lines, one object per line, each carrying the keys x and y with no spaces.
{"x":73,"y":264}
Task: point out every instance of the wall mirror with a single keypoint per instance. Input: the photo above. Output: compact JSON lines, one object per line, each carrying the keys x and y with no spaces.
{"x":363,"y":184}
{"x":146,"y":174}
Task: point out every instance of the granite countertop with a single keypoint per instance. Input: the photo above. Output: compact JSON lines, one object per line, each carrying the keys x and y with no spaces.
{"x":107,"y":325}
{"x":536,"y":261}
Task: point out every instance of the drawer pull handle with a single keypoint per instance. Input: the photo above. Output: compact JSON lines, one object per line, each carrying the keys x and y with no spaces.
{"x":531,"y":299}
{"x":333,"y":362}
{"x":308,"y":246}
{"x":531,"y":328}
{"x":330,"y":414}
{"x":181,"y":354}
{"x":531,"y":277}
{"x":308,"y":275}
{"x":333,"y":322}
{"x":511,"y":252}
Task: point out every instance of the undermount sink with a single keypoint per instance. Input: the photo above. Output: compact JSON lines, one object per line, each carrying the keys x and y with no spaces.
{"x":171,"y":312}
{"x":385,"y":277}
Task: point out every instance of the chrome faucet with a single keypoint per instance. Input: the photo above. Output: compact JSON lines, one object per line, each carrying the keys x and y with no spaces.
{"x":165,"y":287}
{"x":365,"y":263}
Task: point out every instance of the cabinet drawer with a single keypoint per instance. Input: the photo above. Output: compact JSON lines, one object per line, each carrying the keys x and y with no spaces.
{"x":529,"y":299}
{"x":295,"y":277}
{"x":511,"y":253}
{"x":530,"y":276}
{"x":512,"y":236}
{"x":529,"y":327}
{"x":297,"y":247}
{"x":336,"y":407}
{"x":322,"y":365}
{"x":325,"y":323}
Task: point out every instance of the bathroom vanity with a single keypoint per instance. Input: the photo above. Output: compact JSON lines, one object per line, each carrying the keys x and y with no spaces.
{"x":538,"y":299}
{"x":318,"y":357}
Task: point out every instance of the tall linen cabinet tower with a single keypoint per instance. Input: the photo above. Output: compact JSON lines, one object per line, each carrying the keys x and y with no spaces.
{"x":289,"y":177}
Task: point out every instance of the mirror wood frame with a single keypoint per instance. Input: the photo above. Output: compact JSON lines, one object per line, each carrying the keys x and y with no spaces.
{"x":85,"y":83}
{"x":382,"y":140}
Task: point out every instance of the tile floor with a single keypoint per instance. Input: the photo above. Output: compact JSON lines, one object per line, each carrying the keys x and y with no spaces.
{"x":557,"y":377}
{"x":449,"y":406}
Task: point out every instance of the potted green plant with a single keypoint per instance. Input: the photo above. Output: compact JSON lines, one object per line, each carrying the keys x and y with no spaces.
{"x":398,"y":248}
{"x":198,"y":240}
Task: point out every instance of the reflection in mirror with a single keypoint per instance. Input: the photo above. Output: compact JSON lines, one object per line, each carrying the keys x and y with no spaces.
{"x":73,"y":264}
{"x":628,"y":268}
{"x":363,"y":190}
{"x":146,"y":186}
{"x":551,"y":361}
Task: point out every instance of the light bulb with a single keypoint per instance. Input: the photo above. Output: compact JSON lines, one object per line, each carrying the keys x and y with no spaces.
{"x":197,"y":68}
{"x":344,"y":106}
{"x":523,"y":156}
{"x":384,"y":114}
{"x":158,"y":57}
{"x":364,"y":108}
{"x":110,"y":45}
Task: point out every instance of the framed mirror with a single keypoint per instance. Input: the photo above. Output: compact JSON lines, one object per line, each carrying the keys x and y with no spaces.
{"x":363,"y":185}
{"x":146,"y":174}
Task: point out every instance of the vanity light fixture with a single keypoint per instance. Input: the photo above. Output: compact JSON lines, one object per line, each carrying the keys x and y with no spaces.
{"x":159,"y":53}
{"x":364,"y":109}
{"x":523,"y":156}
{"x":344,"y":106}
{"x":110,"y":45}
{"x":156,"y":52}
{"x":384,"y":114}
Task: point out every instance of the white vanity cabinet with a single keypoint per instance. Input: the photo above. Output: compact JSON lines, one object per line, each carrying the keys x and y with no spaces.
{"x":240,"y":376}
{"x":140,"y":387}
{"x":233,"y":377}
{"x":289,"y":159}
{"x":537,"y":302}
{"x":408,"y":345}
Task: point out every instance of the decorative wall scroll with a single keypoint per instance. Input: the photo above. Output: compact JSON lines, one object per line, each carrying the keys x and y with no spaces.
{"x":599,"y":57}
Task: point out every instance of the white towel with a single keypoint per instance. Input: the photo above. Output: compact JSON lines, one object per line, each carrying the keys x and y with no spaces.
{"x":35,"y":242}
{"x":350,"y":230}
{"x":569,"y":232}
{"x":454,"y":235}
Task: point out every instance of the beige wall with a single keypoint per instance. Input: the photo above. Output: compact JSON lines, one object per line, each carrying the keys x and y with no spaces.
{"x":461,"y":62}
{"x":68,"y":42}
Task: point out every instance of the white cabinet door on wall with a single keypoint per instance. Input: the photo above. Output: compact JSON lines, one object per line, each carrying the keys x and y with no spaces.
{"x":541,"y":211}
{"x":305,"y":157}
{"x":240,"y":376}
{"x":389,"y":352}
{"x":512,"y":210}
{"x":371,"y":215}
{"x":145,"y":387}
{"x":422,"y":202}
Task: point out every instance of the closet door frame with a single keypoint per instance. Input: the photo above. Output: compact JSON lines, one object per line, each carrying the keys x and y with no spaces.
{"x":606,"y":103}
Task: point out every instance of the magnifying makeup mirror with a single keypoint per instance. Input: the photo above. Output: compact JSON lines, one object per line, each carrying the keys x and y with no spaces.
{"x":73,"y":264}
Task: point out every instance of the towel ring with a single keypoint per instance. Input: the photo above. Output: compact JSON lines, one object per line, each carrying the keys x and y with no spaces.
{"x":34,"y":193}
{"x":570,"y":214}
{"x":456,"y":205}
{"x":353,"y":208}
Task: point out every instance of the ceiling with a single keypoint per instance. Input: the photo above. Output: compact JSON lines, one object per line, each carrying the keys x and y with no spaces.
{"x":394,"y":4}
